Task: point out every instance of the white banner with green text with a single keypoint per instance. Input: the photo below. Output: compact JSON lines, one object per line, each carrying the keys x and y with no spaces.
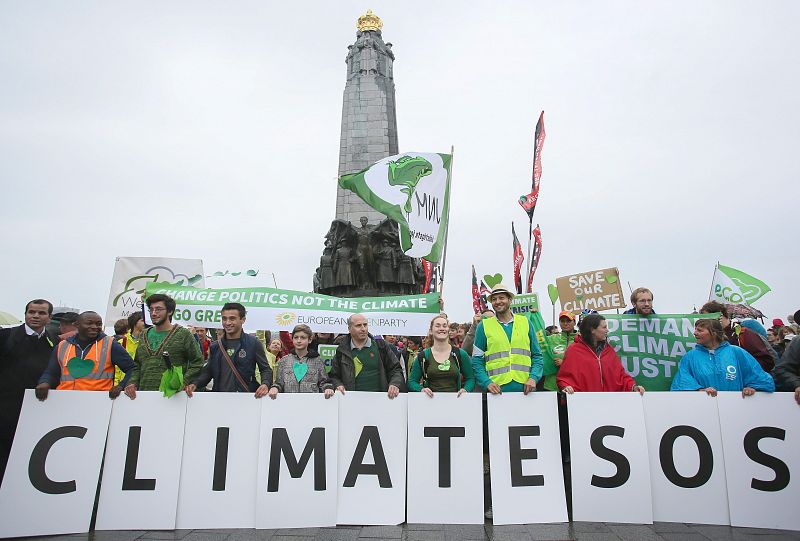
{"x":280,"y":309}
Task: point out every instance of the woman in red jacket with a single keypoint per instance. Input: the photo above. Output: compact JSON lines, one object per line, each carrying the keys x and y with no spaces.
{"x":591,"y":364}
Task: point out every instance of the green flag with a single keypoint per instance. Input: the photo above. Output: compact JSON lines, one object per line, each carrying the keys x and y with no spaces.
{"x":413,"y":189}
{"x":734,"y":286}
{"x":537,"y":321}
{"x":171,"y":381}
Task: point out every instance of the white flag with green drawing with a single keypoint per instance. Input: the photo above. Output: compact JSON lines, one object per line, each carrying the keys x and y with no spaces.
{"x":733,"y":286}
{"x":413,"y":189}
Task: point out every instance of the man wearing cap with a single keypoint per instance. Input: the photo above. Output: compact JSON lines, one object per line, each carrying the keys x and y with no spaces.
{"x":67,"y":324}
{"x":559,"y":342}
{"x":506,"y":355}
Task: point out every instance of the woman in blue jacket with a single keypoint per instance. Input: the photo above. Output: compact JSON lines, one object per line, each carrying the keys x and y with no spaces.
{"x":715,"y":365}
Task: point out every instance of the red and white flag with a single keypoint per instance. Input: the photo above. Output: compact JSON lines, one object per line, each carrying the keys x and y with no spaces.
{"x":535,"y":255}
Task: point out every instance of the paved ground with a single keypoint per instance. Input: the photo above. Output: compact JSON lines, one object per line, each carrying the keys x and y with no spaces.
{"x":583,"y":531}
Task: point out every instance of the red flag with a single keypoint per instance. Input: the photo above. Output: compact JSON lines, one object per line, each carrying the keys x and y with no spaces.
{"x":537,"y":253}
{"x":484,"y":297}
{"x":528,"y":202}
{"x":518,"y":259}
{"x":428,"y":267}
{"x":476,"y":293}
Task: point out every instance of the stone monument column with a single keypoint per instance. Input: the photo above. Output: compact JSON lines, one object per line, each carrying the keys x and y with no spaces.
{"x":362,"y":255}
{"x":369,"y":120}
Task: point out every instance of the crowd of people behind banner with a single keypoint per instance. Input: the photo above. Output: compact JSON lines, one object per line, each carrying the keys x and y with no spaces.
{"x":495,"y":353}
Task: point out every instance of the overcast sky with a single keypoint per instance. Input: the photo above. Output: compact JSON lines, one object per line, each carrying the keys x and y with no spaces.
{"x":211,"y":130}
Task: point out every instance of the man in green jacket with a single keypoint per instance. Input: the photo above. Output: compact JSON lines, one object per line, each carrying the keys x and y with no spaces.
{"x":163,"y":337}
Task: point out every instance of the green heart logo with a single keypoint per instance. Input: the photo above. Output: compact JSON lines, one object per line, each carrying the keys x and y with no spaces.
{"x":492,"y":279}
{"x":611,"y":278}
{"x":578,"y":296}
{"x":300,"y":370}
{"x":553,"y":292}
{"x":79,"y":368}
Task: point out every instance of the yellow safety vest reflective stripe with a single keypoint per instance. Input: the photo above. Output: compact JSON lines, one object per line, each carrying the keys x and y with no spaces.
{"x":508,"y":361}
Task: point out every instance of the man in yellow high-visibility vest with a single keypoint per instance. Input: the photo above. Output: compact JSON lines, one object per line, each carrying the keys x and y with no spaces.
{"x":506,"y":355}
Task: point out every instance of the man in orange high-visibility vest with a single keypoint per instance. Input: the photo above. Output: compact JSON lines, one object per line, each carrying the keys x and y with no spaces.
{"x":86,"y":361}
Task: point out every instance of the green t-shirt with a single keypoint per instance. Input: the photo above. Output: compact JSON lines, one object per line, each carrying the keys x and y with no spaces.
{"x":443,"y":377}
{"x":369,"y":378}
{"x":154,"y":338}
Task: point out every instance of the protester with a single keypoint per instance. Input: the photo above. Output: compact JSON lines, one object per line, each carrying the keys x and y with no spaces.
{"x":163,"y":337}
{"x":24,"y":353}
{"x":787,"y":372}
{"x":234,"y":359}
{"x":777,"y":323}
{"x":302,"y":370}
{"x":453,"y":335}
{"x":201,"y":335}
{"x":469,"y":338}
{"x":761,"y":332}
{"x":86,"y":361}
{"x":744,"y":338}
{"x":463,"y":328}
{"x":130,"y":341}
{"x":411,"y":351}
{"x":642,"y":301}
{"x":785,"y":336}
{"x":391,"y":343}
{"x":716,"y":365}
{"x":550,"y":330}
{"x":559,"y":342}
{"x":120,"y":328}
{"x":363,"y":363}
{"x":274,"y":354}
{"x":591,"y":364}
{"x":66,"y":324}
{"x":772,"y":337}
{"x":442,"y":367}
{"x":506,"y":355}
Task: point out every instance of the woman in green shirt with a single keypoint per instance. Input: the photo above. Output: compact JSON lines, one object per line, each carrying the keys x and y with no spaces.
{"x":441,"y":368}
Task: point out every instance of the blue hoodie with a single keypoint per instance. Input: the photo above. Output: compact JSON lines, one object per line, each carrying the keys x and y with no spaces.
{"x":728,"y":368}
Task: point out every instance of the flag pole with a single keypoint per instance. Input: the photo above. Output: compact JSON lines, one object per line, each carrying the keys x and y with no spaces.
{"x":530,"y":234}
{"x":447,"y":224}
{"x":711,"y":289}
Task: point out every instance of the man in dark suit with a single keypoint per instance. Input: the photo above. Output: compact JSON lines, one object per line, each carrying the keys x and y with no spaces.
{"x":24,"y":354}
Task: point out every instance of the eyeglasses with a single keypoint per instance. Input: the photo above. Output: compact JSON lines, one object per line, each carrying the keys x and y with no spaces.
{"x":157,"y":309}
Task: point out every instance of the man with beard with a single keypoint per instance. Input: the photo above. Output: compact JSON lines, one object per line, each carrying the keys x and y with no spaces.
{"x":24,"y":353}
{"x":85,"y":361}
{"x":506,"y":355}
{"x":163,"y":337}
{"x":364,"y":363}
{"x":642,"y":301}
{"x":234,"y":358}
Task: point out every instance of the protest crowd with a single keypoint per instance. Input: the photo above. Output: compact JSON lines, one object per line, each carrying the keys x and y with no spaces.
{"x":497,"y":352}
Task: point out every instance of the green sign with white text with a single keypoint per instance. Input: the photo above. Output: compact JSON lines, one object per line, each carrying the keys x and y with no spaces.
{"x":651,"y":347}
